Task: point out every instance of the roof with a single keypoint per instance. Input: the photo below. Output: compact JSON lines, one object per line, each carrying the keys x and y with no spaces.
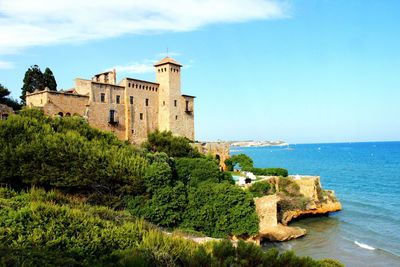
{"x":167,"y":60}
{"x":189,"y":96}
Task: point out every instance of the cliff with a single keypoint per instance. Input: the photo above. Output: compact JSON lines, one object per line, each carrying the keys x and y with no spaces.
{"x":294,"y":197}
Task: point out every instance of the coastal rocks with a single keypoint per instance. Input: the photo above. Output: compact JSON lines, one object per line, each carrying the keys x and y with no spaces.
{"x":323,"y":209}
{"x":266,"y":208}
{"x":309,"y":188}
{"x":321,"y":201}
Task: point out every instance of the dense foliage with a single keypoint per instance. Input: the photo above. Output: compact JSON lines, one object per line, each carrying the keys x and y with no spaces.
{"x":244,"y":161}
{"x":195,"y":170}
{"x":270,"y":171}
{"x":6,"y":100}
{"x":52,"y":229}
{"x":66,"y":153}
{"x":174,"y":146}
{"x":260,"y":189}
{"x":35,"y":79}
{"x":220,"y":210}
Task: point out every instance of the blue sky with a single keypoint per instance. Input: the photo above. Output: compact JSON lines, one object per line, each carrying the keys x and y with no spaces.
{"x":295,"y":70}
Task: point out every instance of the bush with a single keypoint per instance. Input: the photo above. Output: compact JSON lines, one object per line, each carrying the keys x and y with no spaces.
{"x":174,"y":146}
{"x":195,"y":170}
{"x":288,"y":187}
{"x":260,"y":189}
{"x":270,"y":171}
{"x":244,"y":161}
{"x":68,"y":154}
{"x":158,"y":175}
{"x":41,"y":228}
{"x":220,"y":210}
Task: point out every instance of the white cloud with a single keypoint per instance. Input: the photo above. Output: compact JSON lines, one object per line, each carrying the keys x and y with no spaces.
{"x":27,"y":23}
{"x":136,"y":68}
{"x":6,"y":65}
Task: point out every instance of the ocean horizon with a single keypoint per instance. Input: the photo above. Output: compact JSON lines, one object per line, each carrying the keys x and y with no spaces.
{"x":365,"y":177}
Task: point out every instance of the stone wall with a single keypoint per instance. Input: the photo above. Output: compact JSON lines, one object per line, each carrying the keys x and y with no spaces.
{"x":55,"y":103}
{"x":5,"y":111}
{"x":219,"y":150}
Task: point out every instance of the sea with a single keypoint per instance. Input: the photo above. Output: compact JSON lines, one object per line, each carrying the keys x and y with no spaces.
{"x":366,"y":180}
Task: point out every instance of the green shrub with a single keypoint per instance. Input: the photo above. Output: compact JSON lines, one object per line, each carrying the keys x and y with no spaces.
{"x":39,"y":228}
{"x":260,"y":189}
{"x":157,"y":175}
{"x":244,"y":161}
{"x":174,"y":146}
{"x":220,"y":210}
{"x":68,"y":154}
{"x":195,"y":170}
{"x":287,"y":186}
{"x":270,"y":171}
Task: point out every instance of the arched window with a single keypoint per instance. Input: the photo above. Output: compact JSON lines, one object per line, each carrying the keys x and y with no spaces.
{"x":60,"y":114}
{"x":67,"y":114}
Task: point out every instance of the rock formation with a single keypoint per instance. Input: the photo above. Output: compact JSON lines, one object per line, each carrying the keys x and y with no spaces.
{"x":273,"y":223}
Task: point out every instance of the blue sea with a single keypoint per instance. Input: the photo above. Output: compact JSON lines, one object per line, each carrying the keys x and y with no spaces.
{"x":366,"y":180}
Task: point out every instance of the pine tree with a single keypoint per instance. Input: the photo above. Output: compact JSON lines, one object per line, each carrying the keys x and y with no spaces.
{"x":49,"y":79}
{"x":34,"y":79}
{"x":6,"y":100}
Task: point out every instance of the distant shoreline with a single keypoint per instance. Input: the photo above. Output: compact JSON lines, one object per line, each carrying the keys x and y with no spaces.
{"x":258,"y":143}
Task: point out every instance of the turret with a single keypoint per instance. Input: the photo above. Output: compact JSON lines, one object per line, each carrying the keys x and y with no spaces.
{"x":168,"y":76}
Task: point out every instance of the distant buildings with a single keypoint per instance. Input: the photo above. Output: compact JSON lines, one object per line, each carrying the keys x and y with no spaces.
{"x":131,"y":109}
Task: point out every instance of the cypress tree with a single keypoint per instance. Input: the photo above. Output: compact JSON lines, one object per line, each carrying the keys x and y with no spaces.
{"x":34,"y":79}
{"x":49,"y":79}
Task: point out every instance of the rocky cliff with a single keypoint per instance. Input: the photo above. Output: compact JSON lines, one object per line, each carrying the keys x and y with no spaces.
{"x":294,"y":197}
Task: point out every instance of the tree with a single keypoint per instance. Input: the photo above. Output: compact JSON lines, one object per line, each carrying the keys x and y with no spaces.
{"x":49,"y":79}
{"x":243,"y":160}
{"x":33,"y":80}
{"x":174,"y":146}
{"x":6,"y":100}
{"x":36,"y":80}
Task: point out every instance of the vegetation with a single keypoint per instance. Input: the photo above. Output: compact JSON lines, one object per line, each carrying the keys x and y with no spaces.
{"x":174,"y":146}
{"x":66,"y":153}
{"x":39,"y":228}
{"x":195,"y":170}
{"x":261,"y":189}
{"x":244,"y":161}
{"x":270,"y":171}
{"x":6,"y":100}
{"x":35,"y":79}
{"x":97,"y":190}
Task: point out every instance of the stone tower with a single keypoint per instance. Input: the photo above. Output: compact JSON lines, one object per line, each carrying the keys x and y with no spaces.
{"x":168,"y":76}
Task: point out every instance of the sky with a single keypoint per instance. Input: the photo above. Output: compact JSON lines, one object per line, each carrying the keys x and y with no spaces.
{"x":302,"y":71}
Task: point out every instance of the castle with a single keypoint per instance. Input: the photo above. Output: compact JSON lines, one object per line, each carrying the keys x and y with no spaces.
{"x":131,"y":109}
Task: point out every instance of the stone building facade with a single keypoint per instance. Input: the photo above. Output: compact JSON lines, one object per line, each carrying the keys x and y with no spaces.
{"x":131,"y":109}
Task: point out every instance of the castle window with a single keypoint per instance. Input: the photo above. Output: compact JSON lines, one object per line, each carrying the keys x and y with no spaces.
{"x":165,"y":69}
{"x":163,"y":103}
{"x":176,"y":117}
{"x":131,"y":100}
{"x":67,"y":114}
{"x":102,"y":97}
{"x":175,"y":103}
{"x":111,"y":118}
{"x":141,"y":116}
{"x":147,"y":102}
{"x":129,"y":84}
{"x":187,"y":106}
{"x":140,"y":86}
{"x":158,"y":70}
{"x":118,"y":99}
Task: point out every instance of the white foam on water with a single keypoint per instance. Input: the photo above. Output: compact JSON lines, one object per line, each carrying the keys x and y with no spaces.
{"x":364,"y":246}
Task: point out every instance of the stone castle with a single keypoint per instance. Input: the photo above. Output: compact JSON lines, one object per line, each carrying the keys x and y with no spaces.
{"x":131,"y":109}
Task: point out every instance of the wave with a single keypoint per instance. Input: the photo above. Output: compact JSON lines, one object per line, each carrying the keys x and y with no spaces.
{"x":364,"y":246}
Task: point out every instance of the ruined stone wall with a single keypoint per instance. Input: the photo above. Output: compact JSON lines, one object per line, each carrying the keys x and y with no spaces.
{"x":53,"y":103}
{"x":220,"y":150}
{"x":5,"y":111}
{"x":83,"y":87}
